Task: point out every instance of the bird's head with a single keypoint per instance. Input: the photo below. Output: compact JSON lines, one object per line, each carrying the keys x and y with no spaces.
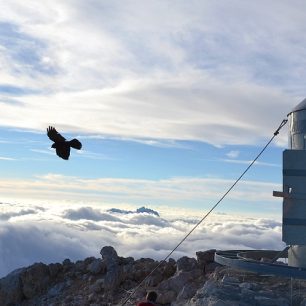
{"x":53,"y":146}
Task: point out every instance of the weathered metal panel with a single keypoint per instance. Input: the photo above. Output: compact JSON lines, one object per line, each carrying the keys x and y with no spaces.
{"x":294,"y":208}
{"x":294,"y":234}
{"x":294,"y":205}
{"x":297,"y":127}
{"x":294,"y":159}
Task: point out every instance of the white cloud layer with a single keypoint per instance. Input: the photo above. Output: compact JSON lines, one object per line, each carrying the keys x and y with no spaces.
{"x":32,"y":233}
{"x":205,"y":71}
{"x":128,"y":190}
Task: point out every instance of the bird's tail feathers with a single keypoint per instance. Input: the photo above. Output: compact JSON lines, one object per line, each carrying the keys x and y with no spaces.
{"x":74,"y":143}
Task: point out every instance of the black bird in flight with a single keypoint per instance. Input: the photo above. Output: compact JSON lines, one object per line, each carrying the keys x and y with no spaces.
{"x":61,"y":145}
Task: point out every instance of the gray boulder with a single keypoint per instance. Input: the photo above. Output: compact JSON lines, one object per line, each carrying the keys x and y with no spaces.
{"x":55,"y":269}
{"x":186,"y":293}
{"x":186,"y":264}
{"x":114,"y":272}
{"x":35,"y":280}
{"x":109,"y":254}
{"x":206,"y":257}
{"x":97,"y":266}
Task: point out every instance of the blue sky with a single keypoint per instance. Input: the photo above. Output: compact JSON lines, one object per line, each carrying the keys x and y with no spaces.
{"x":171,"y":100}
{"x":165,"y":170}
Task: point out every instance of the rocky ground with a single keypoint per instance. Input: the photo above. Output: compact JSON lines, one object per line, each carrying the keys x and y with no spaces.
{"x":111,"y":279}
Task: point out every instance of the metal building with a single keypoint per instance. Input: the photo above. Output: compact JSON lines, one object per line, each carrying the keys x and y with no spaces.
{"x":294,"y":211}
{"x":294,"y":188}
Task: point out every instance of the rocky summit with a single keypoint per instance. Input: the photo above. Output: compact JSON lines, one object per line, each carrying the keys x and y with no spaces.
{"x":111,"y":279}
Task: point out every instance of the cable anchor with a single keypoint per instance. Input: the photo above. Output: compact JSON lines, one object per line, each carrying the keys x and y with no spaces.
{"x":281,"y":125}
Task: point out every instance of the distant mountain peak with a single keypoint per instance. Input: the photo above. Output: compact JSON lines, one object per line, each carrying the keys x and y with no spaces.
{"x":147,"y":210}
{"x":140,"y":210}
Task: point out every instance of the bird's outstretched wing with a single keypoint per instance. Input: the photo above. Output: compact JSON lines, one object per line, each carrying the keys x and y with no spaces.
{"x":54,"y":135}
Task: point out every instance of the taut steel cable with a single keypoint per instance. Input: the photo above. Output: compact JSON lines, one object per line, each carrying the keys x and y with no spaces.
{"x":209,"y":212}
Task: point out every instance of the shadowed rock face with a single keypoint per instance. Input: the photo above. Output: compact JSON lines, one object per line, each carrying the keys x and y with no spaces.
{"x":10,"y":288}
{"x":109,"y":279}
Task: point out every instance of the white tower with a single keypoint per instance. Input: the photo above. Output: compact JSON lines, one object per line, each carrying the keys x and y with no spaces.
{"x":294,"y":188}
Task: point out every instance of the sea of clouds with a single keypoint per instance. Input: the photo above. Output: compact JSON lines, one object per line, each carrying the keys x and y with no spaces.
{"x":50,"y":233}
